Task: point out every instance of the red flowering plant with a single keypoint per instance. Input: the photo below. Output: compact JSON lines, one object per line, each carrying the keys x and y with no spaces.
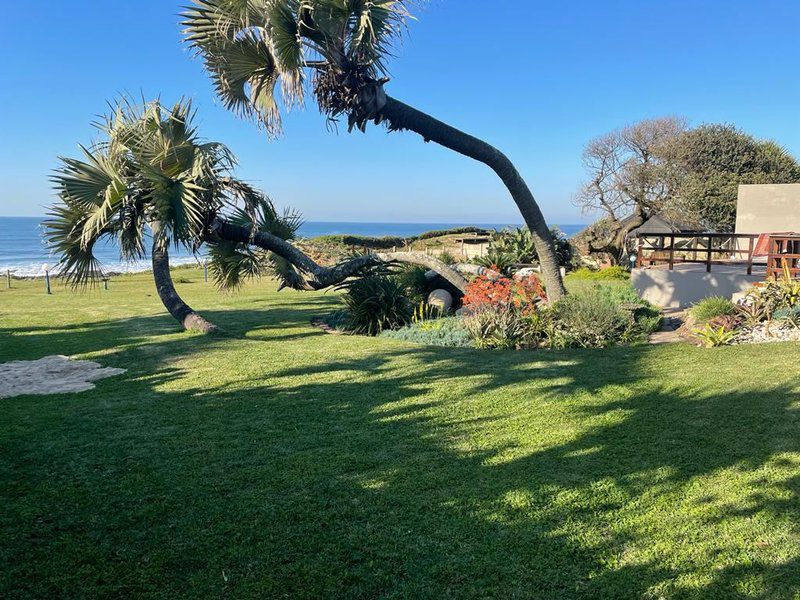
{"x":495,"y":290}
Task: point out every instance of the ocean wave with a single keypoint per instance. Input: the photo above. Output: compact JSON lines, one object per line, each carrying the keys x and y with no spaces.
{"x":34,"y":269}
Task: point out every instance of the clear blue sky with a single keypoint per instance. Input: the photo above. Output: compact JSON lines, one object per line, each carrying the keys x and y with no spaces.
{"x":537,"y":79}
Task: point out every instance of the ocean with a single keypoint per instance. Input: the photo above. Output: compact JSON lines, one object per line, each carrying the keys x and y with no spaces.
{"x":23,"y":251}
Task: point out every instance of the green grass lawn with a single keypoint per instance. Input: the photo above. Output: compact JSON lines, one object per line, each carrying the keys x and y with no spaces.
{"x":279,"y":461}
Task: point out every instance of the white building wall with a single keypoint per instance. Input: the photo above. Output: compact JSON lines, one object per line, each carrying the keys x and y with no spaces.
{"x":768,"y":208}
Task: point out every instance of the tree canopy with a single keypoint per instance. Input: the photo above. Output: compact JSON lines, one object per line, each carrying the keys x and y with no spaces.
{"x":711,"y":161}
{"x":688,"y":175}
{"x":252,"y":48}
{"x":151,"y":174}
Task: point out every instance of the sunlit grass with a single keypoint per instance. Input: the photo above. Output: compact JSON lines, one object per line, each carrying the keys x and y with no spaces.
{"x":277,"y":460}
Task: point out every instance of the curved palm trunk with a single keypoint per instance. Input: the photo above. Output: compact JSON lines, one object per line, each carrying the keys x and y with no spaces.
{"x":400,"y":116}
{"x":320,"y":277}
{"x":182,"y":312}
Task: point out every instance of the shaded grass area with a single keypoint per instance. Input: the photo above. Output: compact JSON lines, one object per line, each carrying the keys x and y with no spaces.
{"x":280,"y":461}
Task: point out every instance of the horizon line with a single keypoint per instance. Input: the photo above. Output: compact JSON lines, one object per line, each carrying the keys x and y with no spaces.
{"x":453,"y":222}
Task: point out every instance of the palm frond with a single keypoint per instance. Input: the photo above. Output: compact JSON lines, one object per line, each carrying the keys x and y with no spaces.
{"x":232,"y":263}
{"x":83,"y":181}
{"x":151,"y":171}
{"x":250,"y":47}
{"x":287,"y":274}
{"x":63,"y":236}
{"x":244,"y":74}
{"x":209,"y":23}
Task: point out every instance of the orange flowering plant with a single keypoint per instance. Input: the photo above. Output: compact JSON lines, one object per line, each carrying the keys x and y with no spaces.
{"x":519,"y":292}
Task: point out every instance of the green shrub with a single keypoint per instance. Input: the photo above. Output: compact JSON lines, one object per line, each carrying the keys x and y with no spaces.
{"x":447,"y":257}
{"x":376,"y":303}
{"x":789,"y":315}
{"x":512,"y":246}
{"x":752,"y":312}
{"x":506,"y":327}
{"x":503,"y":262}
{"x":774,"y":299}
{"x":615,"y":273}
{"x":337,"y":320}
{"x":712,"y":336}
{"x":591,"y":320}
{"x":603,"y":315}
{"x":447,"y":331}
{"x":412,"y":279}
{"x":708,"y":308}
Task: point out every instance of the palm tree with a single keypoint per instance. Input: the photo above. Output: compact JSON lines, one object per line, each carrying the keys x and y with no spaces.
{"x":251,"y":46}
{"x":152,"y":176}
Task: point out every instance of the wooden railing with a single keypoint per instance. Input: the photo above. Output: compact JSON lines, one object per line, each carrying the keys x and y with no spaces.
{"x":701,"y":248}
{"x":784,"y":253}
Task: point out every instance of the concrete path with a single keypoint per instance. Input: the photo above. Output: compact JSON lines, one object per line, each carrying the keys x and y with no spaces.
{"x":673,"y":319}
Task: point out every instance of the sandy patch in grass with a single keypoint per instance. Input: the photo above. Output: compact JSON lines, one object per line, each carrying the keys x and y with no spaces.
{"x":54,"y":374}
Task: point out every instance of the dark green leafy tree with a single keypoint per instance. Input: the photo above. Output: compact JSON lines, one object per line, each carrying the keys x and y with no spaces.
{"x":337,"y":50}
{"x":711,"y":161}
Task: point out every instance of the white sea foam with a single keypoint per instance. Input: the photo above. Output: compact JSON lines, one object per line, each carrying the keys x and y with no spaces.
{"x":35,"y":269}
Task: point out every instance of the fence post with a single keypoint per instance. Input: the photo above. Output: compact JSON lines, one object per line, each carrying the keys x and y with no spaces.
{"x":672,"y":252}
{"x":750,"y":257}
{"x":8,"y":278}
{"x":639,"y":250}
{"x":708,"y":254}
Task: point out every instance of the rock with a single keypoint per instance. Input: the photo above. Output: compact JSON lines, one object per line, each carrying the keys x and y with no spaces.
{"x":777,"y":332}
{"x":441,"y":299}
{"x":527,"y":272}
{"x":738,"y":297}
{"x":55,"y":374}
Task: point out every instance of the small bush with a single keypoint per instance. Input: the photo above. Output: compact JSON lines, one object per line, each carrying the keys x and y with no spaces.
{"x":604,"y":315}
{"x":752,"y":312}
{"x":447,"y":331}
{"x":615,"y":273}
{"x":376,"y":303}
{"x":506,"y":327}
{"x":337,"y":320}
{"x":412,"y":279}
{"x":512,"y":246}
{"x":708,"y":308}
{"x":790,"y":315}
{"x":447,"y":258}
{"x":498,"y":260}
{"x":770,"y":299}
{"x":590,"y":320}
{"x":519,"y":291}
{"x":712,"y":336}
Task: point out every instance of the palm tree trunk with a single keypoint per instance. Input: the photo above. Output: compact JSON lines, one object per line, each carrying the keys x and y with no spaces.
{"x":400,"y":116}
{"x":182,"y":312}
{"x":319,"y":277}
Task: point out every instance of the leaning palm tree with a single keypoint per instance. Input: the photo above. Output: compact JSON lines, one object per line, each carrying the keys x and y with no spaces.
{"x":151,"y":176}
{"x":250,"y":47}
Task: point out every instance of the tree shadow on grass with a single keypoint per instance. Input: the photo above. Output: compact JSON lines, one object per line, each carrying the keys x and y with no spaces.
{"x":114,"y":336}
{"x":516,"y":522}
{"x":403,"y":471}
